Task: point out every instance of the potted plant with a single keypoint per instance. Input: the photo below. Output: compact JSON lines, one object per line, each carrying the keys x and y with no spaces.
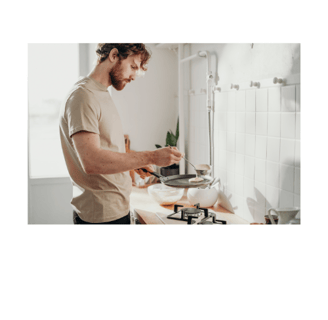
{"x":171,"y":140}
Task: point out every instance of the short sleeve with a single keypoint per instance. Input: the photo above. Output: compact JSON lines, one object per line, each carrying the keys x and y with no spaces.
{"x":82,"y":113}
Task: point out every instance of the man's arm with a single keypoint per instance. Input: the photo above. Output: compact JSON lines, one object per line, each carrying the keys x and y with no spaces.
{"x":96,"y":160}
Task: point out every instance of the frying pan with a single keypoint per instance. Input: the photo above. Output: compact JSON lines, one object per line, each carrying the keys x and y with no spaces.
{"x":181,"y":180}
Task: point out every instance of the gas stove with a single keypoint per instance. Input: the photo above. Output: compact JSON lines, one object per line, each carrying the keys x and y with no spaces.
{"x":194,"y":215}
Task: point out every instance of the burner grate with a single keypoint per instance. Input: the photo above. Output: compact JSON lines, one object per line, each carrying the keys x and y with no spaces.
{"x":188,"y":214}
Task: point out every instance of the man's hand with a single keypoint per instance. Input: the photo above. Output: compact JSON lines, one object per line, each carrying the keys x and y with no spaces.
{"x":143,"y":174}
{"x":167,"y":156}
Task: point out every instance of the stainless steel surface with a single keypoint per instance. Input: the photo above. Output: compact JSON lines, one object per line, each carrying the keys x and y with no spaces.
{"x":182,"y":181}
{"x":199,"y":172}
{"x":193,"y":211}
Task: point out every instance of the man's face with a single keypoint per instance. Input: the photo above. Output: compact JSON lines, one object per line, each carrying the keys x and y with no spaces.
{"x":124,"y":72}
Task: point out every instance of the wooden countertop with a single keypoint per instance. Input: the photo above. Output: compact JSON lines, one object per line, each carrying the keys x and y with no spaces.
{"x":145,"y":208}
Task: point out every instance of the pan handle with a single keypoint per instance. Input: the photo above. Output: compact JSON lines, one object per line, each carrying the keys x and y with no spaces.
{"x":153,"y":173}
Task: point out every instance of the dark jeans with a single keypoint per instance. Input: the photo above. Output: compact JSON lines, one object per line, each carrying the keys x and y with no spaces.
{"x":123,"y":220}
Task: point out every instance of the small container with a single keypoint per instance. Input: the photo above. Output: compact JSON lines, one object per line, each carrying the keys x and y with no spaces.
{"x":165,"y":195}
{"x":267,"y":219}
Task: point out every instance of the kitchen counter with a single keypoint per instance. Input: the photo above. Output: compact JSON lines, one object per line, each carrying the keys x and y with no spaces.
{"x":145,"y":208}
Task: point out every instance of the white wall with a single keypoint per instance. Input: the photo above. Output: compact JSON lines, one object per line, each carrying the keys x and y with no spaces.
{"x":257,"y":131}
{"x":149,"y":106}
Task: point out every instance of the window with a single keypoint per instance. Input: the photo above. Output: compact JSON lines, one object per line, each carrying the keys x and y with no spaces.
{"x":52,"y":71}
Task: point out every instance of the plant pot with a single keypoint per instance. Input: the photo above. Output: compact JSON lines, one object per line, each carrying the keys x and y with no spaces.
{"x":170,"y":170}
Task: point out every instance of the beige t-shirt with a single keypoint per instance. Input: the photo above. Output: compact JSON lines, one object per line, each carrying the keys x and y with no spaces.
{"x":96,"y":197}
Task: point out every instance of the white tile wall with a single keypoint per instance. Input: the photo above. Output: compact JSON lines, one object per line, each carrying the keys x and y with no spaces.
{"x":261,"y":147}
{"x":239,"y":184}
{"x":239,"y":164}
{"x":273,"y":174}
{"x":249,"y":167}
{"x":222,"y":163}
{"x":287,"y":178}
{"x":298,"y":98}
{"x":273,"y":149}
{"x":262,"y":123}
{"x":262,"y":100}
{"x":231,"y":161}
{"x":250,"y":122}
{"x":297,"y":154}
{"x":250,"y":145}
{"x":240,"y":122}
{"x":274,"y":99}
{"x":288,"y":125}
{"x":240,"y":143}
{"x":286,"y":198}
{"x":249,"y":191}
{"x":250,"y":101}
{"x":260,"y":193}
{"x":272,"y":196}
{"x":260,"y":170}
{"x":241,"y":101}
{"x":221,"y":142}
{"x":231,"y":141}
{"x":287,"y":151}
{"x":256,"y":147}
{"x":288,"y":97}
{"x":231,"y":101}
{"x":274,"y":124}
{"x":298,"y":126}
{"x":231,"y":121}
{"x":230,"y":182}
{"x":297,"y":201}
{"x":297,"y":183}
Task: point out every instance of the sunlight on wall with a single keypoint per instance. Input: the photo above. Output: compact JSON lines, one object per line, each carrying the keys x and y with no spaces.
{"x":52,"y":71}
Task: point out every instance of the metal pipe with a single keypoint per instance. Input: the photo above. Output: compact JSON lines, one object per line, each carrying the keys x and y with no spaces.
{"x":209,"y":105}
{"x":209,"y":98}
{"x":181,"y":112}
{"x":189,"y":58}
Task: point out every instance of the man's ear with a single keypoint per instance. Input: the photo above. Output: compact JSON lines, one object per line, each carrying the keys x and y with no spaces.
{"x":113,"y":55}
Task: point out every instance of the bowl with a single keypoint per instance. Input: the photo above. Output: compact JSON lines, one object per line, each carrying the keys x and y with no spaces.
{"x":205,"y":197}
{"x":165,"y":195}
{"x":203,"y":172}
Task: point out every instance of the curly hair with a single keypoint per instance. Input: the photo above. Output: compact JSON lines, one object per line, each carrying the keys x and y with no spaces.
{"x":124,"y":50}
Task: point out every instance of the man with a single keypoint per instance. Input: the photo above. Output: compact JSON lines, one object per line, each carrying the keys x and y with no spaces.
{"x":92,"y":138}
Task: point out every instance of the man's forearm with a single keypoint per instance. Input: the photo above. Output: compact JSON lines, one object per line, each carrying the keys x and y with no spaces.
{"x":110,"y":162}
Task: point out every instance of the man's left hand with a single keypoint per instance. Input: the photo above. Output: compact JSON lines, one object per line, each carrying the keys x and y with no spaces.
{"x":143,"y":174}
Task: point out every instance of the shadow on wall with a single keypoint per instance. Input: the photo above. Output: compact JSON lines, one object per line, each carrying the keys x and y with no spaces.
{"x":289,"y":180}
{"x":259,"y":207}
{"x":296,"y":56}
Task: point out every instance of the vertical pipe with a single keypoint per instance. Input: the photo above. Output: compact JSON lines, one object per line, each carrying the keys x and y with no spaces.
{"x":181,"y":109}
{"x":83,"y":59}
{"x":209,"y":105}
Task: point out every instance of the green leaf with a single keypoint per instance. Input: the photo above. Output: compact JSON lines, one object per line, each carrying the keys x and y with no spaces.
{"x":177,"y":131}
{"x":174,"y":140}
{"x":158,"y":146}
{"x":170,"y":139}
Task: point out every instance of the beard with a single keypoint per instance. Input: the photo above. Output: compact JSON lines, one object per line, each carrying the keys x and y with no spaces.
{"x":116,"y":77}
